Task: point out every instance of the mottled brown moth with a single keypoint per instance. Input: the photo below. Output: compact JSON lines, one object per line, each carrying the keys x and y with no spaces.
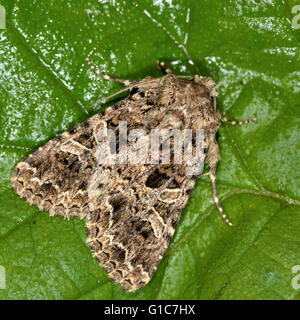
{"x":131,"y":209}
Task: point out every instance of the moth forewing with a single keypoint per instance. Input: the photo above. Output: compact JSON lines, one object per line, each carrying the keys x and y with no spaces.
{"x":98,"y":170}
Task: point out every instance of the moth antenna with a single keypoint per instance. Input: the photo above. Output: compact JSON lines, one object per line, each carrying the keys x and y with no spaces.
{"x":233,"y":122}
{"x":216,"y":197}
{"x":163,"y":67}
{"x":106,"y":76}
{"x":103,"y":100}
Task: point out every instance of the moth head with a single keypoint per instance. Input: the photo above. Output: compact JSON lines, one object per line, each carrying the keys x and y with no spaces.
{"x":210,"y":85}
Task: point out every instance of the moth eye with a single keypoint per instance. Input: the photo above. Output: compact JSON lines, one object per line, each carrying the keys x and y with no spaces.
{"x":156,"y":179}
{"x":134,"y":90}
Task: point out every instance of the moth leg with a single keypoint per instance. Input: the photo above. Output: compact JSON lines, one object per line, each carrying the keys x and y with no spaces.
{"x":225,"y":119}
{"x":185,"y":77}
{"x":163,"y":67}
{"x":213,"y":158}
{"x":203,"y":175}
{"x":107,"y":77}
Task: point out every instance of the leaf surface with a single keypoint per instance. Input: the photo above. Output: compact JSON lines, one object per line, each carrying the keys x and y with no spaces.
{"x":250,"y":49}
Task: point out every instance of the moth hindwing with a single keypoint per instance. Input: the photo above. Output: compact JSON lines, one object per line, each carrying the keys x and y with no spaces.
{"x":132,"y":200}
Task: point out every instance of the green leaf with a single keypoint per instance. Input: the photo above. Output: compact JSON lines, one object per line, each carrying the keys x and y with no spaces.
{"x":250,"y":49}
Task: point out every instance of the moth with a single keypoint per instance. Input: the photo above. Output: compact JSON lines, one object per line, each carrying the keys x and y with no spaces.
{"x":131,"y":209}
